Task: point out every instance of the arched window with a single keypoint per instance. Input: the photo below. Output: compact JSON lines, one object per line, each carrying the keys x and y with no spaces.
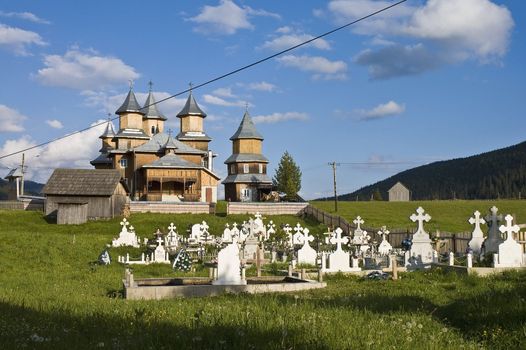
{"x":153,"y":129}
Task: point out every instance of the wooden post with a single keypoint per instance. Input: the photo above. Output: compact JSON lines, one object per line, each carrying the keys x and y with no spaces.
{"x":303,"y":274}
{"x":320,"y":275}
{"x":394,"y":265}
{"x":290,"y":270}
{"x":258,"y":261}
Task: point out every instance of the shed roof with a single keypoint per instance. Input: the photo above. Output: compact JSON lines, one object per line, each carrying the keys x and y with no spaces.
{"x":246,"y":130}
{"x":83,"y":182}
{"x":247,"y":178}
{"x":246,"y":157}
{"x":398,"y":186}
{"x":14,"y":173}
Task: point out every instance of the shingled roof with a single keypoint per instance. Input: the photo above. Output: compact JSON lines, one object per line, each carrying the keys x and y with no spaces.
{"x":130,"y":104}
{"x":246,"y":130}
{"x":150,"y":109}
{"x":83,"y":182}
{"x":191,"y":108}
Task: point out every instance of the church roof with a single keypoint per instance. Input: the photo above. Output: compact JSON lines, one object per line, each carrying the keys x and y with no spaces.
{"x":172,"y":161}
{"x":150,"y":109}
{"x":246,"y":130}
{"x":191,"y":108}
{"x":170,"y":143}
{"x":193,"y":136}
{"x":109,"y":131}
{"x":248,"y":178}
{"x":130,"y":104}
{"x":132,"y":134}
{"x":158,"y":142}
{"x":101,"y":159}
{"x":246,"y":157}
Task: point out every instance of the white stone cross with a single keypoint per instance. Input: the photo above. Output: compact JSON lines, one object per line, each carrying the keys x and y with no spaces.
{"x":297,"y":238}
{"x":477,"y":220}
{"x":287,"y":230}
{"x":172,"y":227}
{"x":338,"y":239}
{"x":383,"y":232}
{"x":159,"y":241}
{"x":124,"y":223}
{"x":509,"y":229}
{"x":298,"y":228}
{"x":132,"y":228}
{"x":305,"y":238}
{"x":258,"y":216}
{"x":204,"y":227}
{"x":271,"y":228}
{"x":421,"y":217}
{"x":358,"y":222}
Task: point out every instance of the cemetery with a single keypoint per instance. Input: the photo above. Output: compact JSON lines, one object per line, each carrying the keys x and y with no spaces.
{"x":292,"y":271}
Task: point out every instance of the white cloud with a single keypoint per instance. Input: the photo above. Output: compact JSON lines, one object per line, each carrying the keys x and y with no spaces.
{"x":284,"y":30}
{"x":280,"y":117}
{"x":55,"y":124}
{"x":11,"y":119}
{"x":218,"y":101}
{"x":288,"y":40}
{"x":479,"y":27}
{"x":382,"y":110}
{"x":262,"y":86}
{"x":447,"y":31}
{"x":224,"y":92}
{"x":28,"y":16}
{"x":18,"y":40}
{"x":322,"y":67}
{"x":84,"y":70}
{"x":226,"y":18}
{"x":74,"y":151}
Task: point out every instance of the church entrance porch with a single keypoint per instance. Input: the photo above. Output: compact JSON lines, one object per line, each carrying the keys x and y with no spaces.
{"x":172,"y":185}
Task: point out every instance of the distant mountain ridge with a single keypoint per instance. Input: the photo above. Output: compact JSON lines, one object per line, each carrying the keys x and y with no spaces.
{"x":491,"y":175}
{"x":30,"y":188}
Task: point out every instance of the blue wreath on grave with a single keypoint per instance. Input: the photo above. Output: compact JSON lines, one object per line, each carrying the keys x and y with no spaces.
{"x":407,"y":243}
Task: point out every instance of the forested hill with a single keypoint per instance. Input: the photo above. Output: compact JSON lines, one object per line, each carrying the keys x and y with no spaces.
{"x":30,"y":188}
{"x":496,"y":174}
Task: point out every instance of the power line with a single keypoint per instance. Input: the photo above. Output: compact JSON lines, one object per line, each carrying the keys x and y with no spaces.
{"x":221,"y":76}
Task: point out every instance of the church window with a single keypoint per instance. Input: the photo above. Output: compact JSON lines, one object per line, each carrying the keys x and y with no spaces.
{"x":124,"y":163}
{"x":232,"y":168}
{"x":261,"y":168}
{"x":153,"y":129}
{"x":245,"y":168}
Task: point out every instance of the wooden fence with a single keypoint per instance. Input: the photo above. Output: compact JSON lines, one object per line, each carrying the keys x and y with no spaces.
{"x":448,"y":241}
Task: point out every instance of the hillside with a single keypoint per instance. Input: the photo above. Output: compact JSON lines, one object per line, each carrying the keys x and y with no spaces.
{"x":30,"y":188}
{"x":496,"y":174}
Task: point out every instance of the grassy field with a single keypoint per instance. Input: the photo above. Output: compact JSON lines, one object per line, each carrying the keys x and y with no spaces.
{"x":450,"y":216}
{"x":53,"y":296}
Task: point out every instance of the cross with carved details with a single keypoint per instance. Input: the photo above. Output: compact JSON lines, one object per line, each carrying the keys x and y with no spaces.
{"x":338,"y":239}
{"x":509,"y":229}
{"x":420,"y":217}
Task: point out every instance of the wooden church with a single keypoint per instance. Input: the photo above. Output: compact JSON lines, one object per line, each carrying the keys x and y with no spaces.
{"x":247,"y":178}
{"x":156,"y":165}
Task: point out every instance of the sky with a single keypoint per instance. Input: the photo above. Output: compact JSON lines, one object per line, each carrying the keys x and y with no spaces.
{"x":424,"y":81}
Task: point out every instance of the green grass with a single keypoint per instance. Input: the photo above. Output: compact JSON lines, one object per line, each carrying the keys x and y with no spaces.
{"x":52,"y":296}
{"x":449,"y":216}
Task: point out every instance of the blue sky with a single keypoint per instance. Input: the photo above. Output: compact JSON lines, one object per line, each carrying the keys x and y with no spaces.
{"x":428,"y":80}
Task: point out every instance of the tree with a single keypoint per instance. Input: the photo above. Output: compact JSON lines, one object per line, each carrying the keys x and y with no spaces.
{"x":377,"y":195}
{"x":288,"y":177}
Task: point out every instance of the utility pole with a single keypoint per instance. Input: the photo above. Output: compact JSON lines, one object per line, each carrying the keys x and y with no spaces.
{"x":334,"y":165}
{"x":23,"y":171}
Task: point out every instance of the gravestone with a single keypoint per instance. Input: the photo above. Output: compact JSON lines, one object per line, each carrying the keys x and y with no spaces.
{"x":421,"y":249}
{"x":510,"y":251}
{"x":172,"y":238}
{"x":361,"y":237}
{"x":226,"y":237}
{"x":290,"y":240}
{"x":229,"y":265}
{"x":160,"y":255}
{"x":494,"y":239}
{"x":306,"y":254}
{"x":271,"y":230}
{"x":126,"y":237}
{"x":477,"y":236}
{"x":339,"y":260}
{"x":258,"y":227}
{"x":385,"y":247}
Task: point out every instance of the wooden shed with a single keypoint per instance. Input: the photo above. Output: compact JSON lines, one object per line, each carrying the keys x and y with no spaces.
{"x":399,"y":193}
{"x":75,"y":195}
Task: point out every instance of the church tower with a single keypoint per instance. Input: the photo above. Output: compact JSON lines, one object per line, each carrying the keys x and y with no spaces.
{"x":131,"y":132}
{"x":247,"y":178}
{"x":103,"y":161}
{"x":153,"y":120}
{"x":192,"y":130}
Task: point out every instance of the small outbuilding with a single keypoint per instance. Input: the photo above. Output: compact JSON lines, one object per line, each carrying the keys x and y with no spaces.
{"x":399,"y":193}
{"x":76,"y":195}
